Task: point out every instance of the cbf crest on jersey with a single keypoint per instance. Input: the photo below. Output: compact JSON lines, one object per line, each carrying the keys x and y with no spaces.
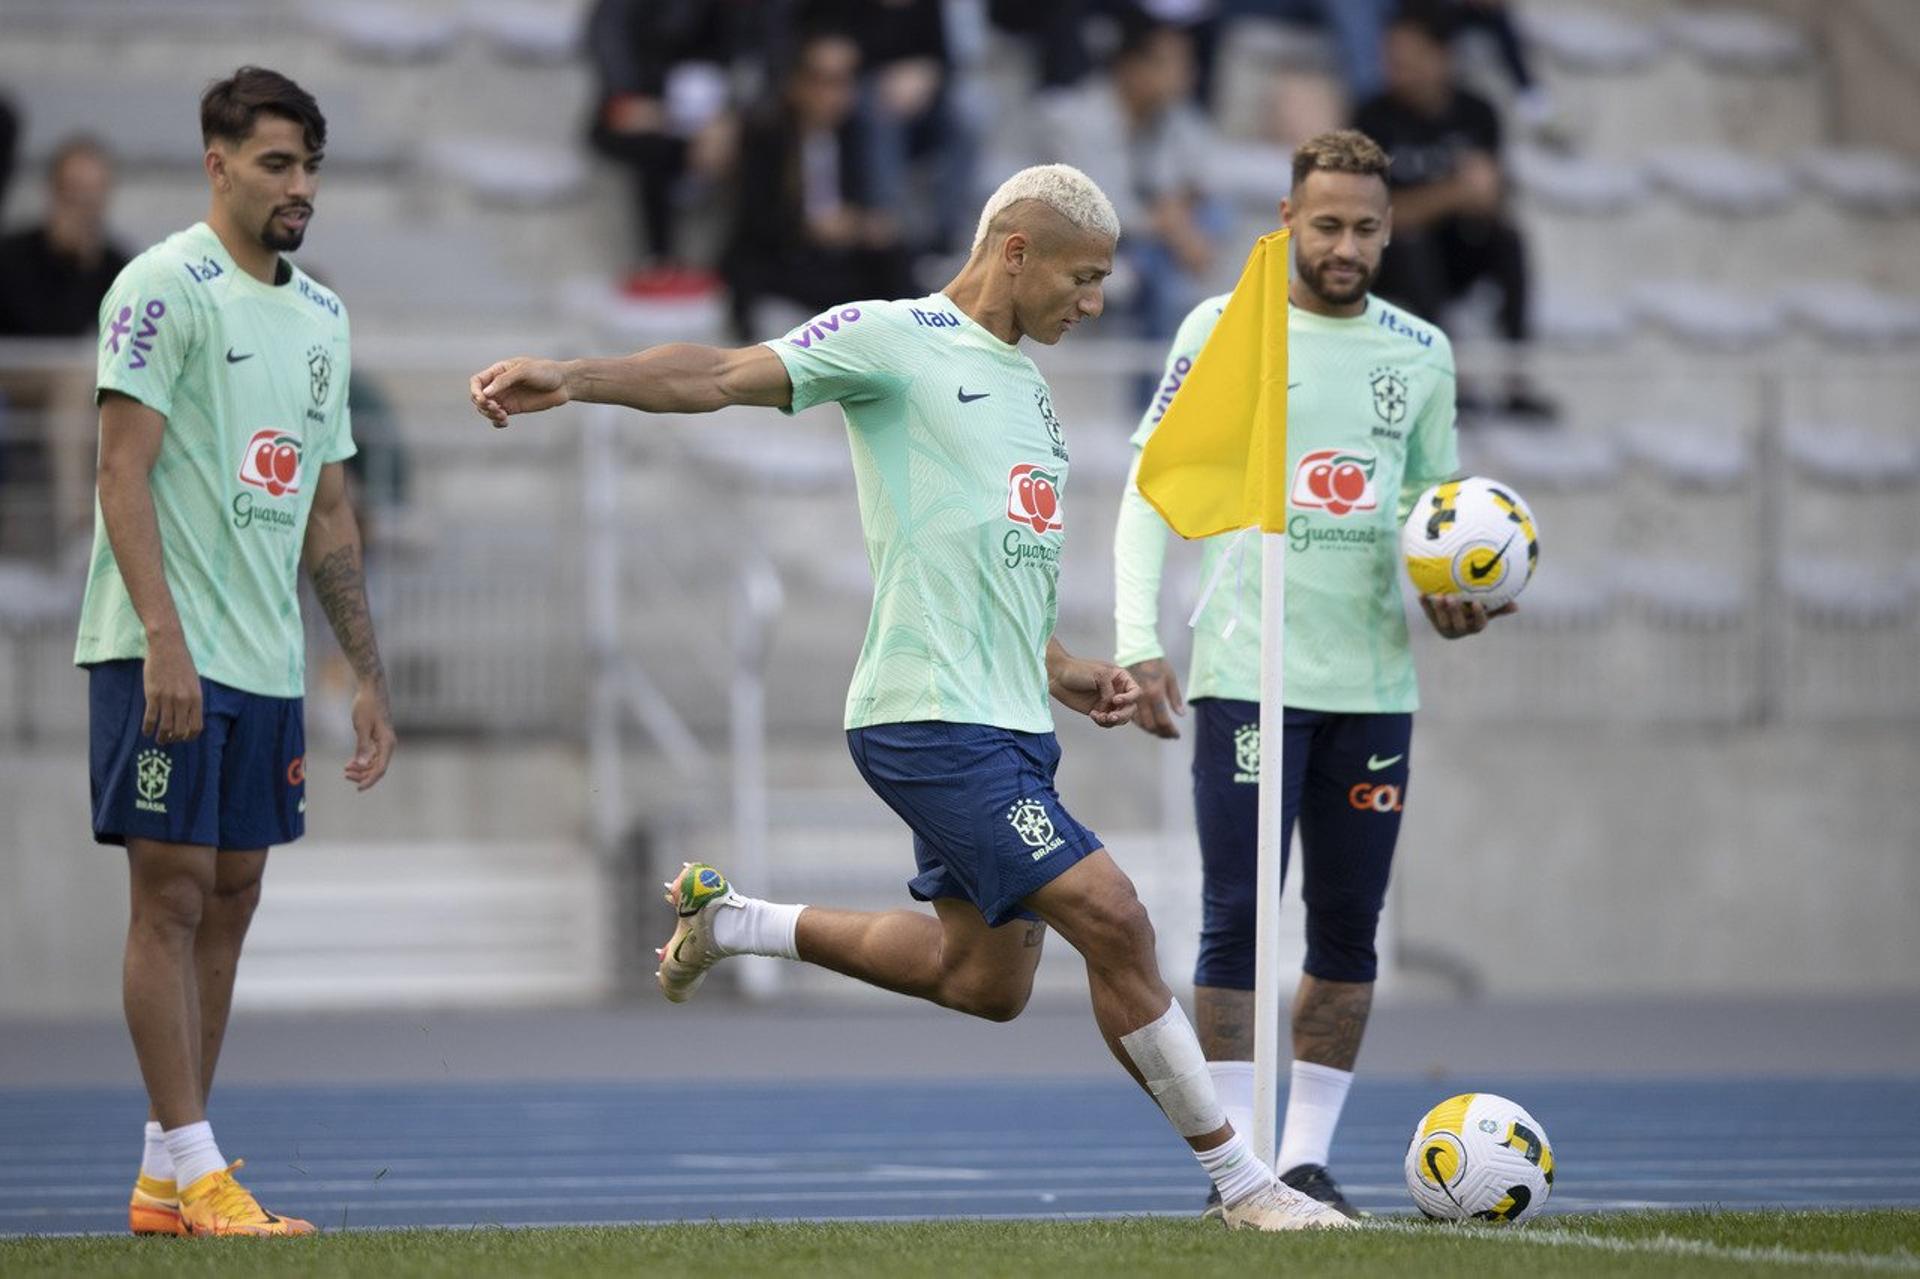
{"x":319,"y":374}
{"x":1390,"y":396}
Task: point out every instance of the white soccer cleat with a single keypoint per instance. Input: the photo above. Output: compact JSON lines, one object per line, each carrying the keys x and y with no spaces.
{"x":699,"y":891}
{"x":1281,"y":1207}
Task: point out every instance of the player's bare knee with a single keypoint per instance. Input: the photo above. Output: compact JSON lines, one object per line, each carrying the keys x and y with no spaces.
{"x":999,"y":1003}
{"x":234,"y":903}
{"x":174,"y":904}
{"x":1116,"y":929}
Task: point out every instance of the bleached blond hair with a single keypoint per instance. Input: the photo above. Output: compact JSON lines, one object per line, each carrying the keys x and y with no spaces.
{"x":1062,"y":188}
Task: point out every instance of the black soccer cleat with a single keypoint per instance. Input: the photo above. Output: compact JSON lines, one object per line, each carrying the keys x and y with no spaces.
{"x":1314,"y":1181}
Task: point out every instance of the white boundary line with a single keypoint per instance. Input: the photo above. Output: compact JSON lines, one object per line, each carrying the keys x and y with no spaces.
{"x":1674,"y":1246}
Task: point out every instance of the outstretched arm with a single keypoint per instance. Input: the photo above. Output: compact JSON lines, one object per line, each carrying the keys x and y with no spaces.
{"x":332,"y":557}
{"x":680,"y":377}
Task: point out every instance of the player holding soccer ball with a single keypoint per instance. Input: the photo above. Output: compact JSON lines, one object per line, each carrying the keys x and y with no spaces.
{"x":962,"y":470}
{"x":1370,"y":423}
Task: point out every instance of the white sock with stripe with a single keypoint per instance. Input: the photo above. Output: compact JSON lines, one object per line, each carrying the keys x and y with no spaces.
{"x":194,"y":1152}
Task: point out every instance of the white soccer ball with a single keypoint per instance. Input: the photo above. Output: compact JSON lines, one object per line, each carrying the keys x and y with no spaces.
{"x":1473,"y":538}
{"x":1481,"y":1157}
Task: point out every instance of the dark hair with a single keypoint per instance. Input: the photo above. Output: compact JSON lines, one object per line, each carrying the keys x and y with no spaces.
{"x":1341,"y":151}
{"x":1426,"y":18}
{"x":1138,"y":32}
{"x":230,"y":108}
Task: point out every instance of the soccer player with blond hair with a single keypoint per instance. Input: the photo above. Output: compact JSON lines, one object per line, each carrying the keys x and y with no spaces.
{"x":961,"y":463}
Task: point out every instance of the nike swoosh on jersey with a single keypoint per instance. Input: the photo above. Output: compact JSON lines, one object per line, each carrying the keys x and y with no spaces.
{"x":1375,"y":763}
{"x":968,"y":399}
{"x":1478,"y":571}
{"x":235,"y":359}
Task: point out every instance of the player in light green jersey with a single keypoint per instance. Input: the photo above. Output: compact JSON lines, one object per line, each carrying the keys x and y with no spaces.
{"x":223,"y":425}
{"x":961,"y":464}
{"x":1370,"y":423}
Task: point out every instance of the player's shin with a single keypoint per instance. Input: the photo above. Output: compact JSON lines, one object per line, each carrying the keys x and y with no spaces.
{"x":1166,"y":1055}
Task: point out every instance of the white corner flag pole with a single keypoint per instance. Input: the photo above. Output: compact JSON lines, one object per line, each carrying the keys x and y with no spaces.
{"x":1266,"y":954}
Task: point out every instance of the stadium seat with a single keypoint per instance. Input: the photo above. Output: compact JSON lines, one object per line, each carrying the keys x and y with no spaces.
{"x":1740,"y":40}
{"x":1590,"y":322}
{"x":525,"y":31}
{"x":1683,"y":594}
{"x":1707,"y":316}
{"x":1565,"y":460}
{"x":1849,"y":316}
{"x":1723,"y":181}
{"x":1846,"y":592}
{"x":514,"y":174}
{"x":1864,"y":180}
{"x":388,"y":32}
{"x":774,"y":458}
{"x":1592,"y":40}
{"x":1850,"y":456}
{"x":1580,"y":185}
{"x":1688,"y":455}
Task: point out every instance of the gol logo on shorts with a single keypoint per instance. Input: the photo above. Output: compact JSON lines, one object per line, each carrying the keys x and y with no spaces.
{"x":1384,"y":798}
{"x":297,"y":771}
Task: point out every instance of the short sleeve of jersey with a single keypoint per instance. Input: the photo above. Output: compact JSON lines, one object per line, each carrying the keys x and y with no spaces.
{"x":340,"y":446}
{"x":1433,"y":448}
{"x":1192,"y":335}
{"x":847,"y":355}
{"x":148,"y":330}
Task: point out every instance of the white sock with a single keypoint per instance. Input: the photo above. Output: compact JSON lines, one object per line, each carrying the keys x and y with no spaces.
{"x":1314,"y":1100}
{"x":155,"y":1162}
{"x":755,"y":927}
{"x":1233,"y":1080}
{"x":193,"y":1152}
{"x":1234,"y":1169}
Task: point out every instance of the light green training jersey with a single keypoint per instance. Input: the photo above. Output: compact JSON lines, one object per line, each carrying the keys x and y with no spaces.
{"x":252,"y":379}
{"x":1370,"y":423}
{"x":962,"y":474}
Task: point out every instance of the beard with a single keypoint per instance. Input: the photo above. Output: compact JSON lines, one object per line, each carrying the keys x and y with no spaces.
{"x":1314,"y":276}
{"x":281,"y":241}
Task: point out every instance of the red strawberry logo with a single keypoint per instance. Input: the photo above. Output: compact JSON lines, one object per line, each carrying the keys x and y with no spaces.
{"x":272,"y":462}
{"x":1033,"y":497}
{"x":1335,"y":481}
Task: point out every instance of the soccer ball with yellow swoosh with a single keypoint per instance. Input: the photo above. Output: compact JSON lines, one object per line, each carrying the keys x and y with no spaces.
{"x":1474,"y":538}
{"x":1479,"y":1157}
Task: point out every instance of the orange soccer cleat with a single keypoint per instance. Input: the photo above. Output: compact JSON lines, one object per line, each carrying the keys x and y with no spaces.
{"x":216,"y":1204}
{"x":155,"y":1208}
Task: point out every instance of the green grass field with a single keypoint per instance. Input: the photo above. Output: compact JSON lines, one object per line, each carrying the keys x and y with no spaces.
{"x":1665,"y":1243}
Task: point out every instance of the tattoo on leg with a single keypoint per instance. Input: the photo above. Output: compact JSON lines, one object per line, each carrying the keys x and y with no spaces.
{"x":1036,"y":933}
{"x":1329,"y":1019}
{"x":1224,"y":1022}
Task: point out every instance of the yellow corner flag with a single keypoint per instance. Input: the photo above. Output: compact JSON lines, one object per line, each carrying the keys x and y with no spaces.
{"x":1218,"y":460}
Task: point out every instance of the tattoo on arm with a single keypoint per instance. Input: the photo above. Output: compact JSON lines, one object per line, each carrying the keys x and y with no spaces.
{"x":341,"y":587}
{"x":1329,"y":1019}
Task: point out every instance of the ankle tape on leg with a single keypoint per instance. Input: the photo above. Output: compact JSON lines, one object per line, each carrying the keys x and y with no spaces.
{"x":1167,"y":1054}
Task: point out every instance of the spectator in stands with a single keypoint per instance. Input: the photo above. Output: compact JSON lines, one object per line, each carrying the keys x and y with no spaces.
{"x":9,"y":143}
{"x":664,"y":110}
{"x":804,"y":228}
{"x":1451,"y":229}
{"x":52,"y":276}
{"x":1137,"y":134}
{"x":908,"y":111}
{"x":1494,"y":19}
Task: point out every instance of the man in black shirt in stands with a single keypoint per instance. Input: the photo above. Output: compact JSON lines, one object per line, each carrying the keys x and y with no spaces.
{"x":1450,"y":225}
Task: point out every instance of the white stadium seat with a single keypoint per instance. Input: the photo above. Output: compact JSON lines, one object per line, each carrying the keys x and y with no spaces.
{"x":1851,"y":456}
{"x":1573,"y":460}
{"x":1582,"y":185}
{"x":1592,"y":40}
{"x":774,"y":459}
{"x":1712,"y":317}
{"x":525,"y":31}
{"x":514,"y":174}
{"x":1864,"y":180}
{"x":1590,"y":322}
{"x":1846,"y":592}
{"x":1689,"y":455}
{"x":1740,"y":40}
{"x":1686,"y":594}
{"x":388,"y":32}
{"x":1722,"y":180}
{"x":1850,"y":315}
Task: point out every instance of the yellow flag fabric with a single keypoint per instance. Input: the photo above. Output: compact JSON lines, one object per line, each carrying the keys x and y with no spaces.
{"x":1218,"y":460}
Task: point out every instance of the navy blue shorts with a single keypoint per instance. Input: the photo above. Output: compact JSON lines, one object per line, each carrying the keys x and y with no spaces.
{"x":987,"y":826}
{"x":1345,"y":781}
{"x":241,"y":785}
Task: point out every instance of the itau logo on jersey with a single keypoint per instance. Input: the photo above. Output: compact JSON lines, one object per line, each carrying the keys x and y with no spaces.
{"x":1033,"y":497}
{"x":1336,"y":481}
{"x":272,"y":462}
